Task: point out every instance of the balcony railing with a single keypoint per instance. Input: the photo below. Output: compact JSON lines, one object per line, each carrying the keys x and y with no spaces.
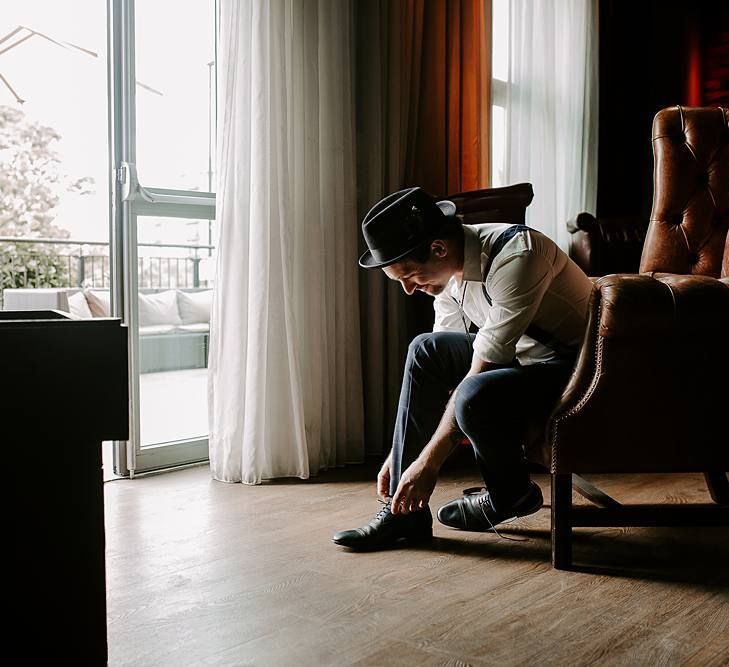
{"x":43,"y":262}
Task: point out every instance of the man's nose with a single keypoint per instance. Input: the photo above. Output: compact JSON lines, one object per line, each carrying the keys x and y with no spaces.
{"x":408,"y":286}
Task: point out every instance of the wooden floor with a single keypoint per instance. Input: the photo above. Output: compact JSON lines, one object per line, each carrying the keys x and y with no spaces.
{"x":205,"y":573}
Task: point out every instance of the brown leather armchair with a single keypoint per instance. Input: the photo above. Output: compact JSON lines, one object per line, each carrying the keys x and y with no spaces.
{"x":606,"y":245}
{"x":505,"y":204}
{"x":650,"y":386}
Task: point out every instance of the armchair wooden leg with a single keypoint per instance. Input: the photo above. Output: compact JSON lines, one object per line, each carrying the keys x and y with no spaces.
{"x":718,"y":485}
{"x":561,"y":524}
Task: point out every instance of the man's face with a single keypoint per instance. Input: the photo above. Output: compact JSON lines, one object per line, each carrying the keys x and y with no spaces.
{"x":431,"y":277}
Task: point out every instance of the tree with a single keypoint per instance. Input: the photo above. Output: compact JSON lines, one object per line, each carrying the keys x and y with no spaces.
{"x":31,"y":184}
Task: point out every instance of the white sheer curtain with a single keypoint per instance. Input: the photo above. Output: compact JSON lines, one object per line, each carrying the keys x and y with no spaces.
{"x":552,"y":108}
{"x":284,"y":371}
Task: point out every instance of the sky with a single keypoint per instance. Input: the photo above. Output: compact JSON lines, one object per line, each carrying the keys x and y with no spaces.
{"x":67,"y":89}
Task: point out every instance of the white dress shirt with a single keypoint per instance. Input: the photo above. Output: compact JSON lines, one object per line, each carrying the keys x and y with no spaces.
{"x":530,"y":281}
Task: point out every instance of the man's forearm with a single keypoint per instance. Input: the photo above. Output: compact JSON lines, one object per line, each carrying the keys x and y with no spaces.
{"x":445,"y":438}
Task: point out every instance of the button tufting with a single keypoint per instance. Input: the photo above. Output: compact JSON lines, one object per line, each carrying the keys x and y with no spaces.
{"x":690,"y":201}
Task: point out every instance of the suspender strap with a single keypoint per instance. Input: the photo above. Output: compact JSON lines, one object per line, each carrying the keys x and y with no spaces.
{"x":496,"y":247}
{"x":533,"y":331}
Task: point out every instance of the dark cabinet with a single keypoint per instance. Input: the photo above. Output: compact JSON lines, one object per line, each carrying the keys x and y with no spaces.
{"x":64,"y":390}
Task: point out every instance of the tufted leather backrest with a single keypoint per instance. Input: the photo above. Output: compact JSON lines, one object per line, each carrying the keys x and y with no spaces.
{"x":689,"y":226}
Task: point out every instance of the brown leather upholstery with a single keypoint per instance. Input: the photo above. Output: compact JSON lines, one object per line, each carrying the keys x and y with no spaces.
{"x":690,"y":217}
{"x":606,"y":245}
{"x":649,"y":390}
{"x":647,"y":394}
{"x":507,"y":204}
{"x":648,"y":387}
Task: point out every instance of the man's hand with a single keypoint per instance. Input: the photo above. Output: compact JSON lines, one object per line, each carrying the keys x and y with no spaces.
{"x":383,"y":479}
{"x":415,"y":488}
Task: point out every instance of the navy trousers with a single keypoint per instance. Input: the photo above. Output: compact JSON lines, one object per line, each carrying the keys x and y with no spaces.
{"x":493,"y":408}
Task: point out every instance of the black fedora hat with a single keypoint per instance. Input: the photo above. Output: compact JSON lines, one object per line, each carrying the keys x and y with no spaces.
{"x":399,"y":223}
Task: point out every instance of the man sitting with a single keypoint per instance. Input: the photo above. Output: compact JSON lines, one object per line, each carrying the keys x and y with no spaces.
{"x":529,"y":303}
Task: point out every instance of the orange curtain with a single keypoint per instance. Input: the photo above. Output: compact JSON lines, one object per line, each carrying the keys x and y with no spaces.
{"x":448,"y":147}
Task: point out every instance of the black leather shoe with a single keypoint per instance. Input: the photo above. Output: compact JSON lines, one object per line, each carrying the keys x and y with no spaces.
{"x":477,"y":512}
{"x":388,"y":529}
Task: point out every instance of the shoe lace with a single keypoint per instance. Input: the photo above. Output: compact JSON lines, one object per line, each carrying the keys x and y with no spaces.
{"x":484,"y":502}
{"x":384,"y":510}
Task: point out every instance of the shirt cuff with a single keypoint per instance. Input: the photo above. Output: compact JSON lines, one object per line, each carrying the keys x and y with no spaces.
{"x":491,"y":351}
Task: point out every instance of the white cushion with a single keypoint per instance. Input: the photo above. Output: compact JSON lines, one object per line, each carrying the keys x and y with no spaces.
{"x":156,"y":330}
{"x":158,"y":308}
{"x":99,"y":302}
{"x":78,"y":306}
{"x":198,"y":327}
{"x":195,"y":307}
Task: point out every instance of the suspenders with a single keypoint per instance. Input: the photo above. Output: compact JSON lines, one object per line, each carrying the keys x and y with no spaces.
{"x":498,"y":245}
{"x":533,"y":331}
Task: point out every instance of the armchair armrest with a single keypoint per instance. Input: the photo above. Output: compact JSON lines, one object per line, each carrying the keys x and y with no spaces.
{"x":606,"y":245}
{"x":652,"y":368}
{"x":679,"y":307}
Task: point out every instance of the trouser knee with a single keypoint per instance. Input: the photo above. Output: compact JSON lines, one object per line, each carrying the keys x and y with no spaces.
{"x":421,"y":348}
{"x":475,"y":400}
{"x":439,"y":350}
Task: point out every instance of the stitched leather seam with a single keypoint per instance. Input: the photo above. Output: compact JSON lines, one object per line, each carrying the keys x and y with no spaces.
{"x":588,"y":393}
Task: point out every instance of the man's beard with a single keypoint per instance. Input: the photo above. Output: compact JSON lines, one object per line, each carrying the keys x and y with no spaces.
{"x":434,"y":290}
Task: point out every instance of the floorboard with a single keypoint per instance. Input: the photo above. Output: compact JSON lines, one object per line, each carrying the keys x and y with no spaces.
{"x":205,"y":573}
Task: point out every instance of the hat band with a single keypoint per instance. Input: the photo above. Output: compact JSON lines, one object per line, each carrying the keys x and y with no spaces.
{"x":387,"y":252}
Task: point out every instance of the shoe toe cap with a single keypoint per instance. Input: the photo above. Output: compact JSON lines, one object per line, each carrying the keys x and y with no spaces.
{"x":347,"y":538}
{"x":450,"y":514}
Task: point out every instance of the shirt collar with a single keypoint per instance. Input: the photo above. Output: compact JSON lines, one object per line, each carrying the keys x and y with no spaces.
{"x":471,"y":255}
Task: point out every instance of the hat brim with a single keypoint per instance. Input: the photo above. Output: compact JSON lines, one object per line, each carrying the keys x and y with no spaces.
{"x":367,"y":261}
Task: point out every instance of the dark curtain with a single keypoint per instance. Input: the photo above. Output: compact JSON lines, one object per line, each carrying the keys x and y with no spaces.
{"x":422,"y":76}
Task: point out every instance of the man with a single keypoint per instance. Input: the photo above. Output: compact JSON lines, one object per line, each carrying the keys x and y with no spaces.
{"x":529,"y":303}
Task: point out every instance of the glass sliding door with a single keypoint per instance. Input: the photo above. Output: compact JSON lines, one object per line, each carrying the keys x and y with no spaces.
{"x":163,"y":136}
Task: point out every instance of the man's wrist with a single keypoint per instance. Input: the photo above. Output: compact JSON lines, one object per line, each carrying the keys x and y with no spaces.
{"x":430,"y":461}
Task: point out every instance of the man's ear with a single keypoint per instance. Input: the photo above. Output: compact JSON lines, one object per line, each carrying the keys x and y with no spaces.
{"x":439,"y":248}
